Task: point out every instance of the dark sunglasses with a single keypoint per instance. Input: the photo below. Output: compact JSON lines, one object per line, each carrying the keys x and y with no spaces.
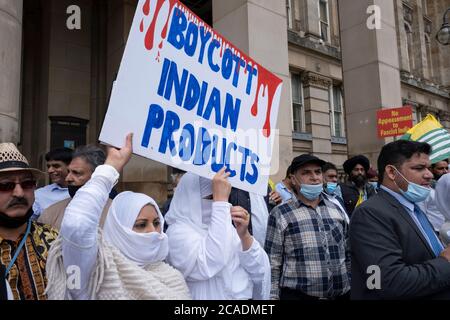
{"x":10,"y":186}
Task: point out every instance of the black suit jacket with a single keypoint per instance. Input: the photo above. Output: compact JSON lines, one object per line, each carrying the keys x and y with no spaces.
{"x":383,"y":234}
{"x":350,"y":195}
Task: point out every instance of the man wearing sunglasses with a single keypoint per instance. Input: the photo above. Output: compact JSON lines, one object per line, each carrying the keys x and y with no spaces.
{"x":24,"y":244}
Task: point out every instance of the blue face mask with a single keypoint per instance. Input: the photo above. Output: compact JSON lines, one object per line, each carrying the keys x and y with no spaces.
{"x":331,"y":187}
{"x":374,"y":184}
{"x":311,"y":191}
{"x":415,"y":193}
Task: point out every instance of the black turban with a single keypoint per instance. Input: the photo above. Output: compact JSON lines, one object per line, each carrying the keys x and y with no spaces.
{"x":351,"y":163}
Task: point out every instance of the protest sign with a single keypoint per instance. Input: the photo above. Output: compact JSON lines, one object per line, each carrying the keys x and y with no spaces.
{"x":192,"y":99}
{"x":394,"y":122}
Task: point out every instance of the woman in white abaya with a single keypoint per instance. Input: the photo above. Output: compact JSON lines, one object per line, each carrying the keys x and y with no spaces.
{"x":218,"y":261}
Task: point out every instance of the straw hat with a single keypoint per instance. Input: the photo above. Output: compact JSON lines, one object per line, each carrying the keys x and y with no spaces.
{"x":12,"y":160}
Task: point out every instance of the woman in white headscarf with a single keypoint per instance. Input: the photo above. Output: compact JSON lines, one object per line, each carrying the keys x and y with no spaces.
{"x":126,"y":260}
{"x":218,"y":260}
{"x":443,"y":196}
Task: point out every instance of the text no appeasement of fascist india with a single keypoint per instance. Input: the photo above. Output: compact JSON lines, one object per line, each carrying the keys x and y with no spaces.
{"x":193,"y":100}
{"x":394,"y":122}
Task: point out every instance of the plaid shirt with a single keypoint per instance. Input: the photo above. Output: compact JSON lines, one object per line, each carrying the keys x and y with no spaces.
{"x":308,"y":249}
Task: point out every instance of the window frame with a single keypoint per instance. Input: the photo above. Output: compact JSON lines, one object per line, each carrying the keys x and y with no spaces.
{"x":327,"y":22}
{"x":333,"y":112}
{"x":295,"y":104}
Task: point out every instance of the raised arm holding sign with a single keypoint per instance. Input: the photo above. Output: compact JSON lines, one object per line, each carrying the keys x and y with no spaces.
{"x":193,"y":100}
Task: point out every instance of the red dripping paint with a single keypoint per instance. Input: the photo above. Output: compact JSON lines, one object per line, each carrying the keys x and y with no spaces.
{"x":150,"y":35}
{"x":146,"y":7}
{"x":271,"y":82}
{"x":141,"y":27}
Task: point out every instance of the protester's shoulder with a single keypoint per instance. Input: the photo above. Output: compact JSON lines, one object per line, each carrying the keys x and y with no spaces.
{"x":49,"y":215}
{"x":58,"y":205}
{"x":377,"y":206}
{"x":284,"y":208}
{"x":43,"y":190}
{"x":444,"y":181}
{"x":45,"y":231}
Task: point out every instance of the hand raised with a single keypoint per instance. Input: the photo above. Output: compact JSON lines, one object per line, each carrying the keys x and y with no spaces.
{"x":221,"y":186}
{"x":118,"y":158}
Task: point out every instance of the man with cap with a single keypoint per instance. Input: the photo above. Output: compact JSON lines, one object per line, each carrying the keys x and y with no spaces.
{"x":24,"y":244}
{"x":307,"y":240}
{"x":357,"y":189}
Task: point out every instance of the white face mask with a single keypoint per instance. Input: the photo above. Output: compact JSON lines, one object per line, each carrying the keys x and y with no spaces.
{"x":155,"y":247}
{"x":141,"y":248}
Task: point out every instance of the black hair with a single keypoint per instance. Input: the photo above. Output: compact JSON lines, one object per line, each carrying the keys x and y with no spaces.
{"x":60,"y":154}
{"x":434,"y":164}
{"x":397,"y":152}
{"x":329,"y":166}
{"x":288,"y":172}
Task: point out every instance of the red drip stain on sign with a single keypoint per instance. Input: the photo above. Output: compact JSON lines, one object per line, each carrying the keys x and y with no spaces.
{"x":150,"y":34}
{"x":268,"y":83}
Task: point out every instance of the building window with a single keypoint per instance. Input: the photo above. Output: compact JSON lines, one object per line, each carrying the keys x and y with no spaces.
{"x":289,"y":13}
{"x":324,"y":20}
{"x":417,"y":116}
{"x":336,"y":112}
{"x":298,"y":109}
{"x":409,"y":46}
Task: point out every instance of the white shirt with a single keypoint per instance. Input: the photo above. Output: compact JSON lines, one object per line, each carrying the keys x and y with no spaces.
{"x":46,"y":196}
{"x":9,"y":293}
{"x":443,"y":195}
{"x":79,"y":227}
{"x":429,"y":207}
{"x":260,"y":217}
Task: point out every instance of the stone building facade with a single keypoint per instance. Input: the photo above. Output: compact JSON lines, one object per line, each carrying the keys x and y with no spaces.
{"x":55,"y":82}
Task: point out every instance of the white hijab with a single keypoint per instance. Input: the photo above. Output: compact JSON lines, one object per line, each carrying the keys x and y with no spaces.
{"x":141,"y":248}
{"x":188,"y":207}
{"x":188,"y":201}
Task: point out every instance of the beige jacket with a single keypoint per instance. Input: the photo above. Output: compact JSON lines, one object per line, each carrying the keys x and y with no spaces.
{"x":54,"y":214}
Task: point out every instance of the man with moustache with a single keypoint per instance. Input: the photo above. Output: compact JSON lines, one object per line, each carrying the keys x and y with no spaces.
{"x":58,"y":161}
{"x":24,"y":244}
{"x":357,"y":189}
{"x":84,"y":161}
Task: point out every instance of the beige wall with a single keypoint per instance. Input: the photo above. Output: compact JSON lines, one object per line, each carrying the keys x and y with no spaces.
{"x":10,"y":67}
{"x":371,"y":73}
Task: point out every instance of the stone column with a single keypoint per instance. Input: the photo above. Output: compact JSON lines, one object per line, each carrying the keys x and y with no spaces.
{"x":259,"y":28}
{"x":317,"y":108}
{"x":371,"y":72}
{"x":10,"y":69}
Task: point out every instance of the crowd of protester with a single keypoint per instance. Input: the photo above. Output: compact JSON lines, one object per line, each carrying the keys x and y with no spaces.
{"x":313,"y":237}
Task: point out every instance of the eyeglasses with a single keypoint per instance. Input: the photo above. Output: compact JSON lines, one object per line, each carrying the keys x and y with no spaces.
{"x":10,"y":186}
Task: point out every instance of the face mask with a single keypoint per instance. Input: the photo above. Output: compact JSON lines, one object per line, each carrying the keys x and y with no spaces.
{"x":14,"y":223}
{"x":311,"y":191}
{"x":374,"y":184}
{"x":415,"y":193}
{"x":73,"y":190}
{"x":331,"y":187}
